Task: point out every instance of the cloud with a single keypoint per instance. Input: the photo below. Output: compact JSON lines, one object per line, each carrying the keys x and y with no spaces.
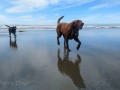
{"x":6,"y":19}
{"x":106,"y":4}
{"x":18,"y":6}
{"x":28,"y":5}
{"x":113,"y":18}
{"x":39,"y":19}
{"x":64,"y":4}
{"x":26,"y":17}
{"x":34,"y":11}
{"x":2,"y":17}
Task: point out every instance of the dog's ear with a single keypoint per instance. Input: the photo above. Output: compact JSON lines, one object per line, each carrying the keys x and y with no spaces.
{"x":74,"y":24}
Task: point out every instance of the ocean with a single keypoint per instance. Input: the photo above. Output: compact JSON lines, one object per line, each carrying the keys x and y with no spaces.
{"x":34,"y":61}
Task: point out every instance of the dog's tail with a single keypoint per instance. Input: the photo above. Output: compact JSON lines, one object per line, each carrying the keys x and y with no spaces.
{"x":7,"y":25}
{"x":59,"y":19}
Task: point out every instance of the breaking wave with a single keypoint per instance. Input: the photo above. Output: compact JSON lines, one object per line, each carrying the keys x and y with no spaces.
{"x":53,"y":27}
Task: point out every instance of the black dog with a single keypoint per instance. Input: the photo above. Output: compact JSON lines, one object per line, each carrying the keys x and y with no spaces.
{"x":12,"y":30}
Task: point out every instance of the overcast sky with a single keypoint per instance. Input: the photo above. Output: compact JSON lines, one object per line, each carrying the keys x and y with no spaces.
{"x":46,"y":12}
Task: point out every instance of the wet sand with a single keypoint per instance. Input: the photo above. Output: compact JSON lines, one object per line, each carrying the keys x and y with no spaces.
{"x":34,"y":61}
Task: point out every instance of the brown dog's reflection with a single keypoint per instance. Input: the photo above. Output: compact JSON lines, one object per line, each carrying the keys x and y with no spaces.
{"x":71,"y":69}
{"x":13,"y":43}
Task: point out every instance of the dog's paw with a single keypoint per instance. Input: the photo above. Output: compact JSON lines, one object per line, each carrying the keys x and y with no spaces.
{"x":58,"y":43}
{"x":77,"y":47}
{"x":68,"y":50}
{"x":65,"y":47}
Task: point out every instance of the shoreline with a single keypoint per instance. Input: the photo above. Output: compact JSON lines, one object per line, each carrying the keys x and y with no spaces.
{"x":50,"y":27}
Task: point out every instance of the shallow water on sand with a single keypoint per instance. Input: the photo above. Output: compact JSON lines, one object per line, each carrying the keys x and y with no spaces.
{"x":34,"y":61}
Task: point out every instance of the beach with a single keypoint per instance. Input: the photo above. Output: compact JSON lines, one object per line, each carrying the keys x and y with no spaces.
{"x":34,"y":61}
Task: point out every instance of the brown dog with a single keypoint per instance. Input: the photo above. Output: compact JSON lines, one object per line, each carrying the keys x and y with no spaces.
{"x":69,"y":31}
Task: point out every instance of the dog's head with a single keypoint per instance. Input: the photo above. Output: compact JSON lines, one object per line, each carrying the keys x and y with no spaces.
{"x":14,"y":27}
{"x":77,"y":24}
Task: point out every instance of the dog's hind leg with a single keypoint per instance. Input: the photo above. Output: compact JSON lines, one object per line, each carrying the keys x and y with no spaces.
{"x":58,"y":36}
{"x":65,"y":46}
{"x":14,"y":34}
{"x":79,"y":43}
{"x":58,"y":42}
{"x":66,"y":43}
{"x":9,"y":33}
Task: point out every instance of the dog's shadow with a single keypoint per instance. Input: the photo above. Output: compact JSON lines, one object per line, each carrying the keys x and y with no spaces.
{"x":71,"y":69}
{"x":13,"y":43}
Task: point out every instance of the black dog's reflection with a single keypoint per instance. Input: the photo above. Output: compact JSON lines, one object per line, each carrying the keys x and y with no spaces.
{"x":13,"y":43}
{"x":71,"y":69}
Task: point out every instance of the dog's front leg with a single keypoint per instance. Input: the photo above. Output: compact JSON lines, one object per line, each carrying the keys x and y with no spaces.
{"x":65,"y":46}
{"x":79,"y":43}
{"x":9,"y":33}
{"x":15,"y":35}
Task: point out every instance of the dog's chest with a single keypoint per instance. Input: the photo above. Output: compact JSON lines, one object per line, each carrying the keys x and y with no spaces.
{"x":71,"y":36}
{"x":11,"y":29}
